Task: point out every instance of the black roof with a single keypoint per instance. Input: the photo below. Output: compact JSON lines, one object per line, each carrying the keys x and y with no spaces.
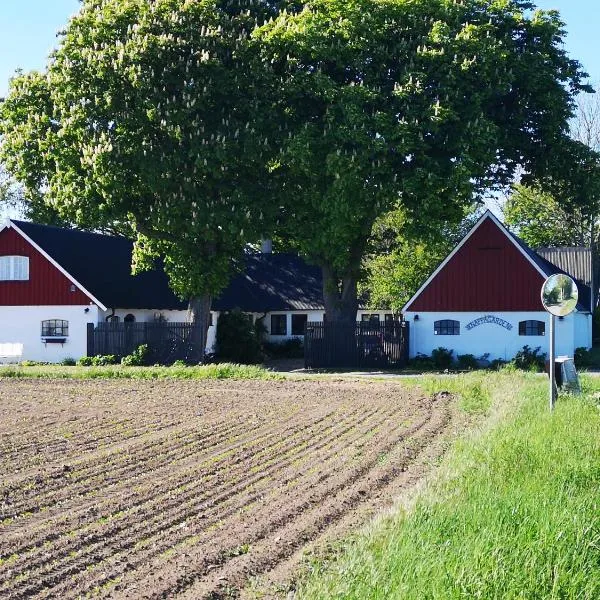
{"x":273,"y":282}
{"x":102,"y":265}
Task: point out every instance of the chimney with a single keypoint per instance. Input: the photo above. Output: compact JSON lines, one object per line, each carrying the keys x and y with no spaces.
{"x":266,"y":246}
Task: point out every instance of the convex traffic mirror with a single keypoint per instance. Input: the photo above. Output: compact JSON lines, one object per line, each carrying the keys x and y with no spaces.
{"x":560,"y":295}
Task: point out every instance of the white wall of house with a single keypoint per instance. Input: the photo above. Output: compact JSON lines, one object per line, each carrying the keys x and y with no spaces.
{"x":500,"y":341}
{"x":21,"y":332}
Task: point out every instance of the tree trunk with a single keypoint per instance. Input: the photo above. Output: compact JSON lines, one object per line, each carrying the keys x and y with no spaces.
{"x":199,"y":314}
{"x":340,"y":295}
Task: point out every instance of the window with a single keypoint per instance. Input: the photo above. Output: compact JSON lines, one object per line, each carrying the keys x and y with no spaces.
{"x":129,"y":318}
{"x":446,"y":327}
{"x":298,"y":323}
{"x":14,"y":268}
{"x":370,"y":318}
{"x":55,"y":328}
{"x":532,"y":328}
{"x":113,"y":319}
{"x":389,"y":318}
{"x":278,"y":324}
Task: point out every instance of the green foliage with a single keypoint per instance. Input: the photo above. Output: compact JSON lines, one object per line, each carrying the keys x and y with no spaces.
{"x":85,"y":361}
{"x":396,"y":266}
{"x":421,"y":362}
{"x":138,"y":358}
{"x":147,"y":118}
{"x":216,"y":371}
{"x":239,"y":340}
{"x":292,"y":348}
{"x":103,"y":360}
{"x":68,"y":362}
{"x":541,"y":221}
{"x":513,"y":515}
{"x":528,"y":359}
{"x":467,"y":362}
{"x":442,"y":358}
{"x":372,"y":98}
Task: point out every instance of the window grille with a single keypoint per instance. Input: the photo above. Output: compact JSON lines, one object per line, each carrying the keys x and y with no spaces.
{"x":278,"y":324}
{"x":14,"y":268}
{"x":532,"y":328}
{"x":446,"y":327}
{"x":55,"y":328}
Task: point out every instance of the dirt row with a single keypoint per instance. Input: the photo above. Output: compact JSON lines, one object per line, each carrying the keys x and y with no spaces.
{"x":195,"y":489}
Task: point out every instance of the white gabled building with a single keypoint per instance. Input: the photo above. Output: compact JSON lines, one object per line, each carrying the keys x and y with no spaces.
{"x":484,"y":299}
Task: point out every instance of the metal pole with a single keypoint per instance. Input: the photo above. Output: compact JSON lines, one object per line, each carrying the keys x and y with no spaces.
{"x":552,"y":363}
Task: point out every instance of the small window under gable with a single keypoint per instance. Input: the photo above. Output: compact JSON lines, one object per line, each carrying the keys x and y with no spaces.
{"x":14,"y":268}
{"x":532,"y":328}
{"x":446,"y":327}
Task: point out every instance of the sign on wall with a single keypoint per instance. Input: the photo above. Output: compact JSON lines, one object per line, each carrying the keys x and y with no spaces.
{"x":488,"y":319}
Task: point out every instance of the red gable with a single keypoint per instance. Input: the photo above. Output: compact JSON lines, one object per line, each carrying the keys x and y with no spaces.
{"x":46,"y":284}
{"x":489,"y":272}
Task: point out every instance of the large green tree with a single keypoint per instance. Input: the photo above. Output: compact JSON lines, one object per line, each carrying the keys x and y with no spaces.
{"x":415,"y":105}
{"x":146,"y":120}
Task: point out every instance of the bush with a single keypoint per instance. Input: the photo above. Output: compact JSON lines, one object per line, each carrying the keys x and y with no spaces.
{"x":239,"y":340}
{"x":68,"y":362}
{"x":104,"y":360}
{"x":442,"y":358}
{"x":293,"y":348}
{"x":85,"y":361}
{"x":138,"y":358}
{"x":583,"y":358}
{"x":467,"y":362}
{"x":421,"y":362}
{"x":527,"y":359}
{"x":179,"y":363}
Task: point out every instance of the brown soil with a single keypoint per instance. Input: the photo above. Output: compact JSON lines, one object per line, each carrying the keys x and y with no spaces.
{"x":136,"y":489}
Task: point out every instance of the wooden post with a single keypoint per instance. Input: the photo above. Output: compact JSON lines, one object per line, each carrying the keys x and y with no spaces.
{"x":90,"y":339}
{"x":552,"y":364}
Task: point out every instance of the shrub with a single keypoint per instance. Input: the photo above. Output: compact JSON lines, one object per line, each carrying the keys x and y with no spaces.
{"x":85,"y":361}
{"x":442,"y":358}
{"x":104,"y":360}
{"x":138,"y":358}
{"x":583,"y":358}
{"x":179,"y":363}
{"x":421,"y":362}
{"x":293,"y":348}
{"x":68,"y":362}
{"x":239,"y":340}
{"x":467,"y":362}
{"x":527,"y":359}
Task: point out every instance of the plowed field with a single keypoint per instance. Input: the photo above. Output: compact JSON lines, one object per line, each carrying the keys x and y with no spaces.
{"x":137,"y":489}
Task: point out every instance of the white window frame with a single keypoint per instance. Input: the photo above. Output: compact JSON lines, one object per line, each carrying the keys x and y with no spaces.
{"x":14,"y":264}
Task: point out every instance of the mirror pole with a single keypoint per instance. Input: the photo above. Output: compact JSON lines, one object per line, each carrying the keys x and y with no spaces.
{"x":552,"y":357}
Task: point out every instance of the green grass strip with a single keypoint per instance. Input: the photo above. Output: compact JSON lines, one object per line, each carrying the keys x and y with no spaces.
{"x":514,"y":513}
{"x":216,"y":371}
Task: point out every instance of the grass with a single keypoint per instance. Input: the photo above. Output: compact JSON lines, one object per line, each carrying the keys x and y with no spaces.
{"x":514,"y":513}
{"x":215,"y":371}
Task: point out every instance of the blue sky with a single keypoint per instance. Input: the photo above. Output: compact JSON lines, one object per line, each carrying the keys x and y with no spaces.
{"x":28,"y":32}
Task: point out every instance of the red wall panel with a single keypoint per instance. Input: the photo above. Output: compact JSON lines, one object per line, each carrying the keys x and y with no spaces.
{"x":489,"y":273}
{"x":46,"y":285}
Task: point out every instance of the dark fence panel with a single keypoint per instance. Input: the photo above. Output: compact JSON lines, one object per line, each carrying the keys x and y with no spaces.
{"x":359,"y":345}
{"x":167,"y":342}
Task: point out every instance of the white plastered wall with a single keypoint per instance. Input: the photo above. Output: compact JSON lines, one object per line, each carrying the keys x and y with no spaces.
{"x":493,"y":339}
{"x":21,"y":332}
